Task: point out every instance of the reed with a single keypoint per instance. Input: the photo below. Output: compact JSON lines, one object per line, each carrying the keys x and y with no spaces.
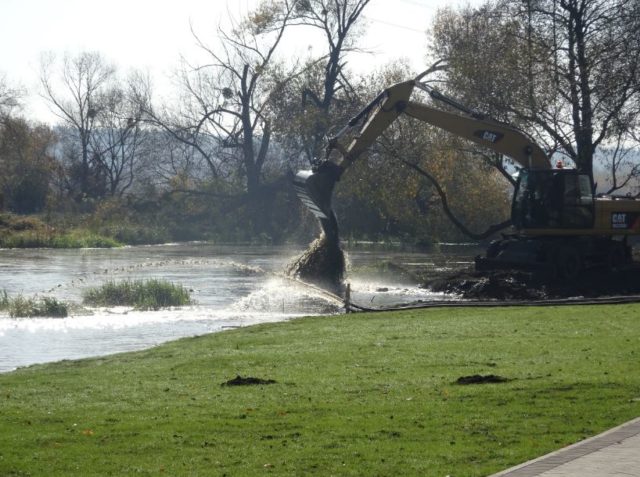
{"x":150,"y":294}
{"x":4,"y":301}
{"x":28,"y":307}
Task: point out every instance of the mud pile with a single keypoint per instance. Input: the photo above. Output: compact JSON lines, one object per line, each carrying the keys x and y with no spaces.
{"x":322,"y":264}
{"x":518,"y":285}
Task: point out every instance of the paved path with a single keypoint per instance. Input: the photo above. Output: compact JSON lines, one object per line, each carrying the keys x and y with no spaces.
{"x":613,"y":453}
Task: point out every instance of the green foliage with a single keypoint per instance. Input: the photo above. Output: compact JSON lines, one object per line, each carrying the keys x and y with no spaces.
{"x":83,"y":239}
{"x":31,"y":232}
{"x":17,"y":231}
{"x":22,"y":307}
{"x":74,"y":239}
{"x":131,"y":234}
{"x":363,"y":394}
{"x":26,"y":164}
{"x":10,"y":222}
{"x":130,"y":221}
{"x":141,"y":294}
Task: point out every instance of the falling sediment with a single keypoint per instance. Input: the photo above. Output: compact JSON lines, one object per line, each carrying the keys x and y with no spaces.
{"x":322,"y":264}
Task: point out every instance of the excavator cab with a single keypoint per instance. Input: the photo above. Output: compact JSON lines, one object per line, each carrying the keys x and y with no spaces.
{"x":553,"y":199}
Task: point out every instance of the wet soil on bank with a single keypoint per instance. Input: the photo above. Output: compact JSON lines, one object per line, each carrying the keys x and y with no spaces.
{"x":518,"y":285}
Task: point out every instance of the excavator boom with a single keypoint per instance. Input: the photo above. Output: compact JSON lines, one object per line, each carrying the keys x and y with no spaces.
{"x":315,"y":187}
{"x":491,"y":134}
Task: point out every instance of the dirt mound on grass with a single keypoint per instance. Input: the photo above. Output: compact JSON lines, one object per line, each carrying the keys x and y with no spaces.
{"x":248,"y":381}
{"x":482,"y":379}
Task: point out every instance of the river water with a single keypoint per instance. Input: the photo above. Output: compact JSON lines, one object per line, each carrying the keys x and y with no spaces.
{"x":232,"y":286}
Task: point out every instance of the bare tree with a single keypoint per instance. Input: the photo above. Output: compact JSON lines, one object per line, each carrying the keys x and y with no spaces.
{"x":338,"y":20}
{"x":75,"y":90}
{"x":566,"y":70}
{"x":224,"y":109}
{"x":119,"y":138}
{"x":9,"y":98}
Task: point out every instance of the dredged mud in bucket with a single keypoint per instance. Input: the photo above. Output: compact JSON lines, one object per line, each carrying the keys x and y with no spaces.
{"x":322,"y":264}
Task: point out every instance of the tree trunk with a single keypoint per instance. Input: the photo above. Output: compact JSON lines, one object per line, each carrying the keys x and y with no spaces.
{"x":449,"y":213}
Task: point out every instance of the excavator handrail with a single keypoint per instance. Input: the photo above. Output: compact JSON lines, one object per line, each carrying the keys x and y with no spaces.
{"x":438,"y":96}
{"x":332,"y":141}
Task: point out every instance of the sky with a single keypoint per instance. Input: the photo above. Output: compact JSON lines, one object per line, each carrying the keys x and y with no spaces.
{"x":153,"y":35}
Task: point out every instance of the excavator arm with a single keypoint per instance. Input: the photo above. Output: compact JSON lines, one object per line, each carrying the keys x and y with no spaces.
{"x":315,"y":187}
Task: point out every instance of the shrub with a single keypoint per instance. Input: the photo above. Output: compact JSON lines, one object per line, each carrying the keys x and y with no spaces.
{"x":21,"y":307}
{"x":136,"y":234}
{"x":83,"y":239}
{"x":141,"y":294}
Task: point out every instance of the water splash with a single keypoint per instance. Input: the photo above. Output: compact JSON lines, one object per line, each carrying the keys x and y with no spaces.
{"x":287,"y":298}
{"x":323,"y":264}
{"x":383,"y":294}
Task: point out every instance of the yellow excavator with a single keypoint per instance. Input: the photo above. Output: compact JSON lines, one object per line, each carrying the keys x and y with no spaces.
{"x":560,"y":225}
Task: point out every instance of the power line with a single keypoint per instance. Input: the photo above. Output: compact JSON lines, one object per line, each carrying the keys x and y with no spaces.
{"x":417,"y":4}
{"x":377,"y":20}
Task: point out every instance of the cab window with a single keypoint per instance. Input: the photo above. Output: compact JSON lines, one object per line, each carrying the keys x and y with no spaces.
{"x":553,"y":199}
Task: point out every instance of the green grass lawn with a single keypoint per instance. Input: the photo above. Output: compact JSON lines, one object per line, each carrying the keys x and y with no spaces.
{"x":364,"y":394}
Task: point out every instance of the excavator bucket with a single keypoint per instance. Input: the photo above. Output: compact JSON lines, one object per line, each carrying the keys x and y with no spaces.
{"x":315,"y":188}
{"x":323,"y":263}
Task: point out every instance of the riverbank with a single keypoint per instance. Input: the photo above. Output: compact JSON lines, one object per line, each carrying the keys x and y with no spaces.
{"x":356,"y":394}
{"x":31,"y":232}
